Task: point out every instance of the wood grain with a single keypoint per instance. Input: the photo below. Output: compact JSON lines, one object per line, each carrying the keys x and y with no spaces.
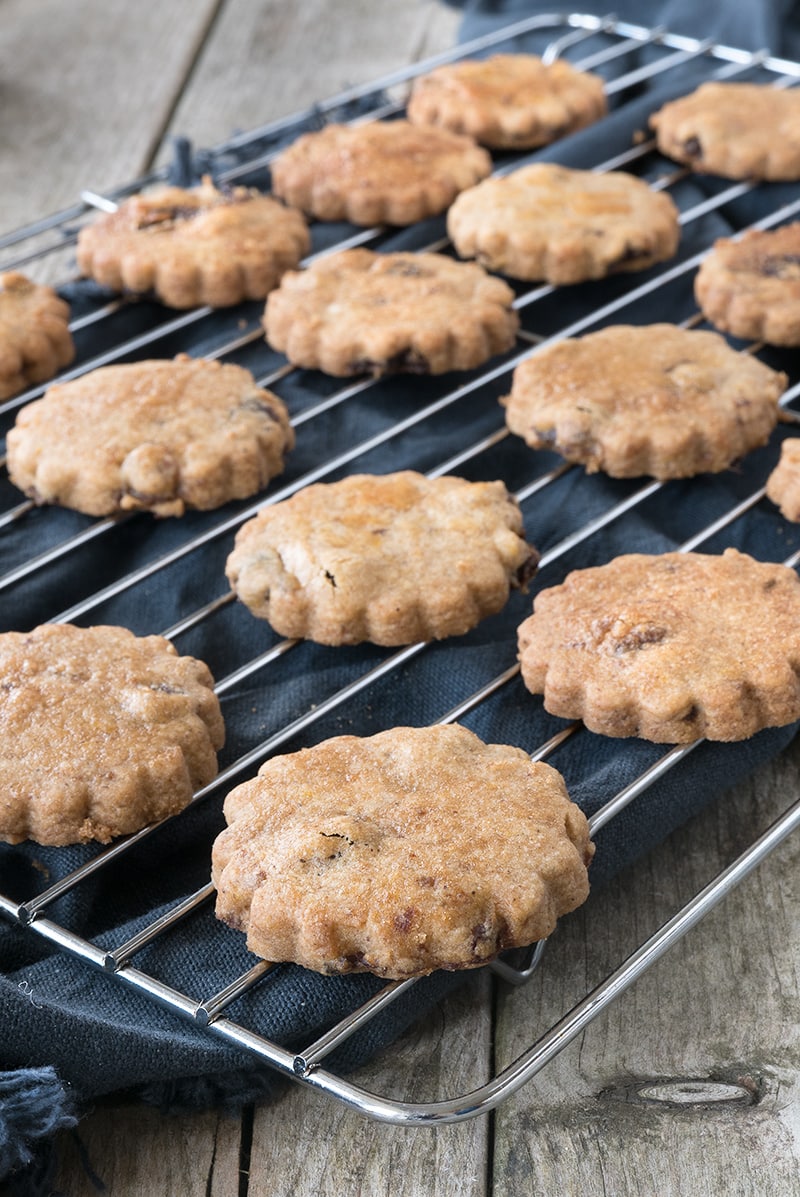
{"x":86,"y":90}
{"x":308,"y":1144}
{"x":134,"y":1150}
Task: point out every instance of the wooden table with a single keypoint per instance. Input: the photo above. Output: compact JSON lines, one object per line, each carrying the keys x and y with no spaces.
{"x":91,"y":93}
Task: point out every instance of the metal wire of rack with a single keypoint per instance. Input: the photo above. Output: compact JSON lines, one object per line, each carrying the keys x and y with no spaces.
{"x":61,"y":537}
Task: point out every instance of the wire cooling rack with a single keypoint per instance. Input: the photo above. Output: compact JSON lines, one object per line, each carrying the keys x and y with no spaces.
{"x":631,"y":59}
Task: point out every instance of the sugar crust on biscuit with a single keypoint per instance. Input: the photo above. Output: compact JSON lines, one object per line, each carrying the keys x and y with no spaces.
{"x":563,"y":226}
{"x":669,"y":648}
{"x":392,"y":559}
{"x":160,"y":436}
{"x":101,"y":732}
{"x":399,"y":853}
{"x":357,"y":312}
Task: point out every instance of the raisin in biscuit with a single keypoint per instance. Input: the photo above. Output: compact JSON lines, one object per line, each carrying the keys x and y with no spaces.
{"x":401,"y":853}
{"x":35,"y":341}
{"x":159,"y":436}
{"x":384,"y":172}
{"x":655,"y":400}
{"x":564,"y":226}
{"x":669,"y":648}
{"x":195,"y":246}
{"x":508,"y":101}
{"x":783,"y":484}
{"x":359,"y":312}
{"x":101,"y":732}
{"x":751,"y":286}
{"x":393,"y":559}
{"x":737,"y":130}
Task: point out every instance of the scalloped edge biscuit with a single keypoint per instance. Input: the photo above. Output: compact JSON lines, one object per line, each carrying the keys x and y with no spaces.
{"x":101,"y":732}
{"x":392,"y":559}
{"x":35,"y":340}
{"x":652,"y":399}
{"x":159,"y":436}
{"x":508,"y":101}
{"x":357,"y":312}
{"x":750,"y":285}
{"x":194,"y":246}
{"x":783,"y":484}
{"x":669,"y":648}
{"x":400,"y":853}
{"x":564,"y":226}
{"x":736,"y":130}
{"x":383,"y":172}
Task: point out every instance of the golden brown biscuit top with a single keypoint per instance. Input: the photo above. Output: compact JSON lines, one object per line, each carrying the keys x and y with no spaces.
{"x":399,"y":279}
{"x":195,"y":214}
{"x":651,"y":365}
{"x":772,"y":256}
{"x":101,"y":731}
{"x":549,"y":191}
{"x":734,"y":130}
{"x":669,"y":647}
{"x":508,"y":79}
{"x":413,"y":849}
{"x":508,"y":100}
{"x":397,"y":150}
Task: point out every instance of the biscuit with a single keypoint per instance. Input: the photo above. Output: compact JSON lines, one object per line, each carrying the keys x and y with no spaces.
{"x":551,"y":223}
{"x":101,"y":733}
{"x":508,"y":101}
{"x":737,"y":130}
{"x":669,"y":648}
{"x":196,"y":246}
{"x":35,"y":341}
{"x":384,"y":172}
{"x":393,"y":559}
{"x":656,"y":399}
{"x":408,"y":851}
{"x":750,"y":287}
{"x":159,"y":436}
{"x":783,"y":484}
{"x":358,"y":312}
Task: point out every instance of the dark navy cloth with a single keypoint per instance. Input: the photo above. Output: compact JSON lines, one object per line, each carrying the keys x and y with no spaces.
{"x":59,"y":1013}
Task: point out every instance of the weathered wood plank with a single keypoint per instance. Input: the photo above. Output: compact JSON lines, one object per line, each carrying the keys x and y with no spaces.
{"x":310,"y":1146}
{"x":271,"y":59}
{"x":86,"y":92}
{"x":135,"y":1150}
{"x":723,"y":1004}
